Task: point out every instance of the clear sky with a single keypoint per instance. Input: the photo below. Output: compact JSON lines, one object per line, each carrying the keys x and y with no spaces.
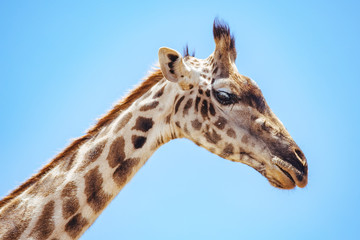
{"x":63,"y":64}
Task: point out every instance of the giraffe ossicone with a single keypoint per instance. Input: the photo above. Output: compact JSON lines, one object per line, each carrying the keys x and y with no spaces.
{"x":205,"y":100}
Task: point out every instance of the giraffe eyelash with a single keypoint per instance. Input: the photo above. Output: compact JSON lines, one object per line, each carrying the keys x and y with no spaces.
{"x":225,"y":98}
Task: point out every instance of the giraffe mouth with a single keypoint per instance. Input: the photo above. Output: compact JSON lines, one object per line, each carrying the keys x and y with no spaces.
{"x":287,"y":174}
{"x":280,"y":174}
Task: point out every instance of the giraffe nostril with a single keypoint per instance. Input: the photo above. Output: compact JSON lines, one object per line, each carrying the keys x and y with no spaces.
{"x":300,"y":155}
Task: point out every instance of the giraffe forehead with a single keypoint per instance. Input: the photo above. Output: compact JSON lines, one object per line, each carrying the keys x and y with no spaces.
{"x":236,"y":82}
{"x":201,"y":65}
{"x":208,"y":70}
{"x":194,"y":60}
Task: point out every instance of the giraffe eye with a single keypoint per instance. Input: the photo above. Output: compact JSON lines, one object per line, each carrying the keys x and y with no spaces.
{"x":225,"y":98}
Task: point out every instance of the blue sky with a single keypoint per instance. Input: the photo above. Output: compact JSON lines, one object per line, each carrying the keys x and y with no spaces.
{"x":63,"y":64}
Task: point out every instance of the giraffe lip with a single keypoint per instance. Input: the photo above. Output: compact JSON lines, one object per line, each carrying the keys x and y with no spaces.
{"x":287,"y":174}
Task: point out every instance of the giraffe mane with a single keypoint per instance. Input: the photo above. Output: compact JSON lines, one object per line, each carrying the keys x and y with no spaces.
{"x":141,"y":89}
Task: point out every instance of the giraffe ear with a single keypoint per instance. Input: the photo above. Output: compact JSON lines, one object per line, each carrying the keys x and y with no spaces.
{"x":172,"y":65}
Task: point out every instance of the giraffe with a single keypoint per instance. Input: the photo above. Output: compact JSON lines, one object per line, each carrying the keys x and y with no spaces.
{"x":204,"y":100}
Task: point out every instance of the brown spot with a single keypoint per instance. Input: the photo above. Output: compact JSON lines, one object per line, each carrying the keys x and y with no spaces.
{"x":149,"y":106}
{"x":212,"y":109}
{"x":138,"y":141}
{"x":124,"y":120}
{"x":196,"y":124}
{"x":200,"y":91}
{"x":9,"y":208}
{"x":122,"y":173}
{"x":69,"y":190}
{"x":177,"y":123}
{"x":159,"y":93}
{"x":176,"y":97}
{"x":95,"y":195}
{"x":203,"y":75}
{"x":204,"y":109}
{"x":75,"y":226}
{"x":116,"y":152}
{"x":14,"y":213}
{"x":187,"y":106}
{"x":178,"y":103}
{"x":231,"y":133}
{"x":70,"y":201}
{"x":227,"y":151}
{"x":15,"y":232}
{"x":220,"y":123}
{"x":207,"y":93}
{"x":197,"y":100}
{"x":45,"y":225}
{"x":92,"y":154}
{"x":205,"y":70}
{"x":215,"y":70}
{"x":143,"y":124}
{"x":212,"y":136}
{"x":68,"y":162}
{"x":245,"y":139}
{"x":167,"y":119}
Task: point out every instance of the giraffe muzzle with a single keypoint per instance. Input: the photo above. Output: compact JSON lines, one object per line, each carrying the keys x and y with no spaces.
{"x":292,"y":166}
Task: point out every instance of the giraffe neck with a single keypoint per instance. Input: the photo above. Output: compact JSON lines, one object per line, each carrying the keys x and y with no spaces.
{"x":66,"y":200}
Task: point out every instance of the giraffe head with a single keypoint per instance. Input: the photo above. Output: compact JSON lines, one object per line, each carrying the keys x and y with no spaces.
{"x":226,"y":113}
